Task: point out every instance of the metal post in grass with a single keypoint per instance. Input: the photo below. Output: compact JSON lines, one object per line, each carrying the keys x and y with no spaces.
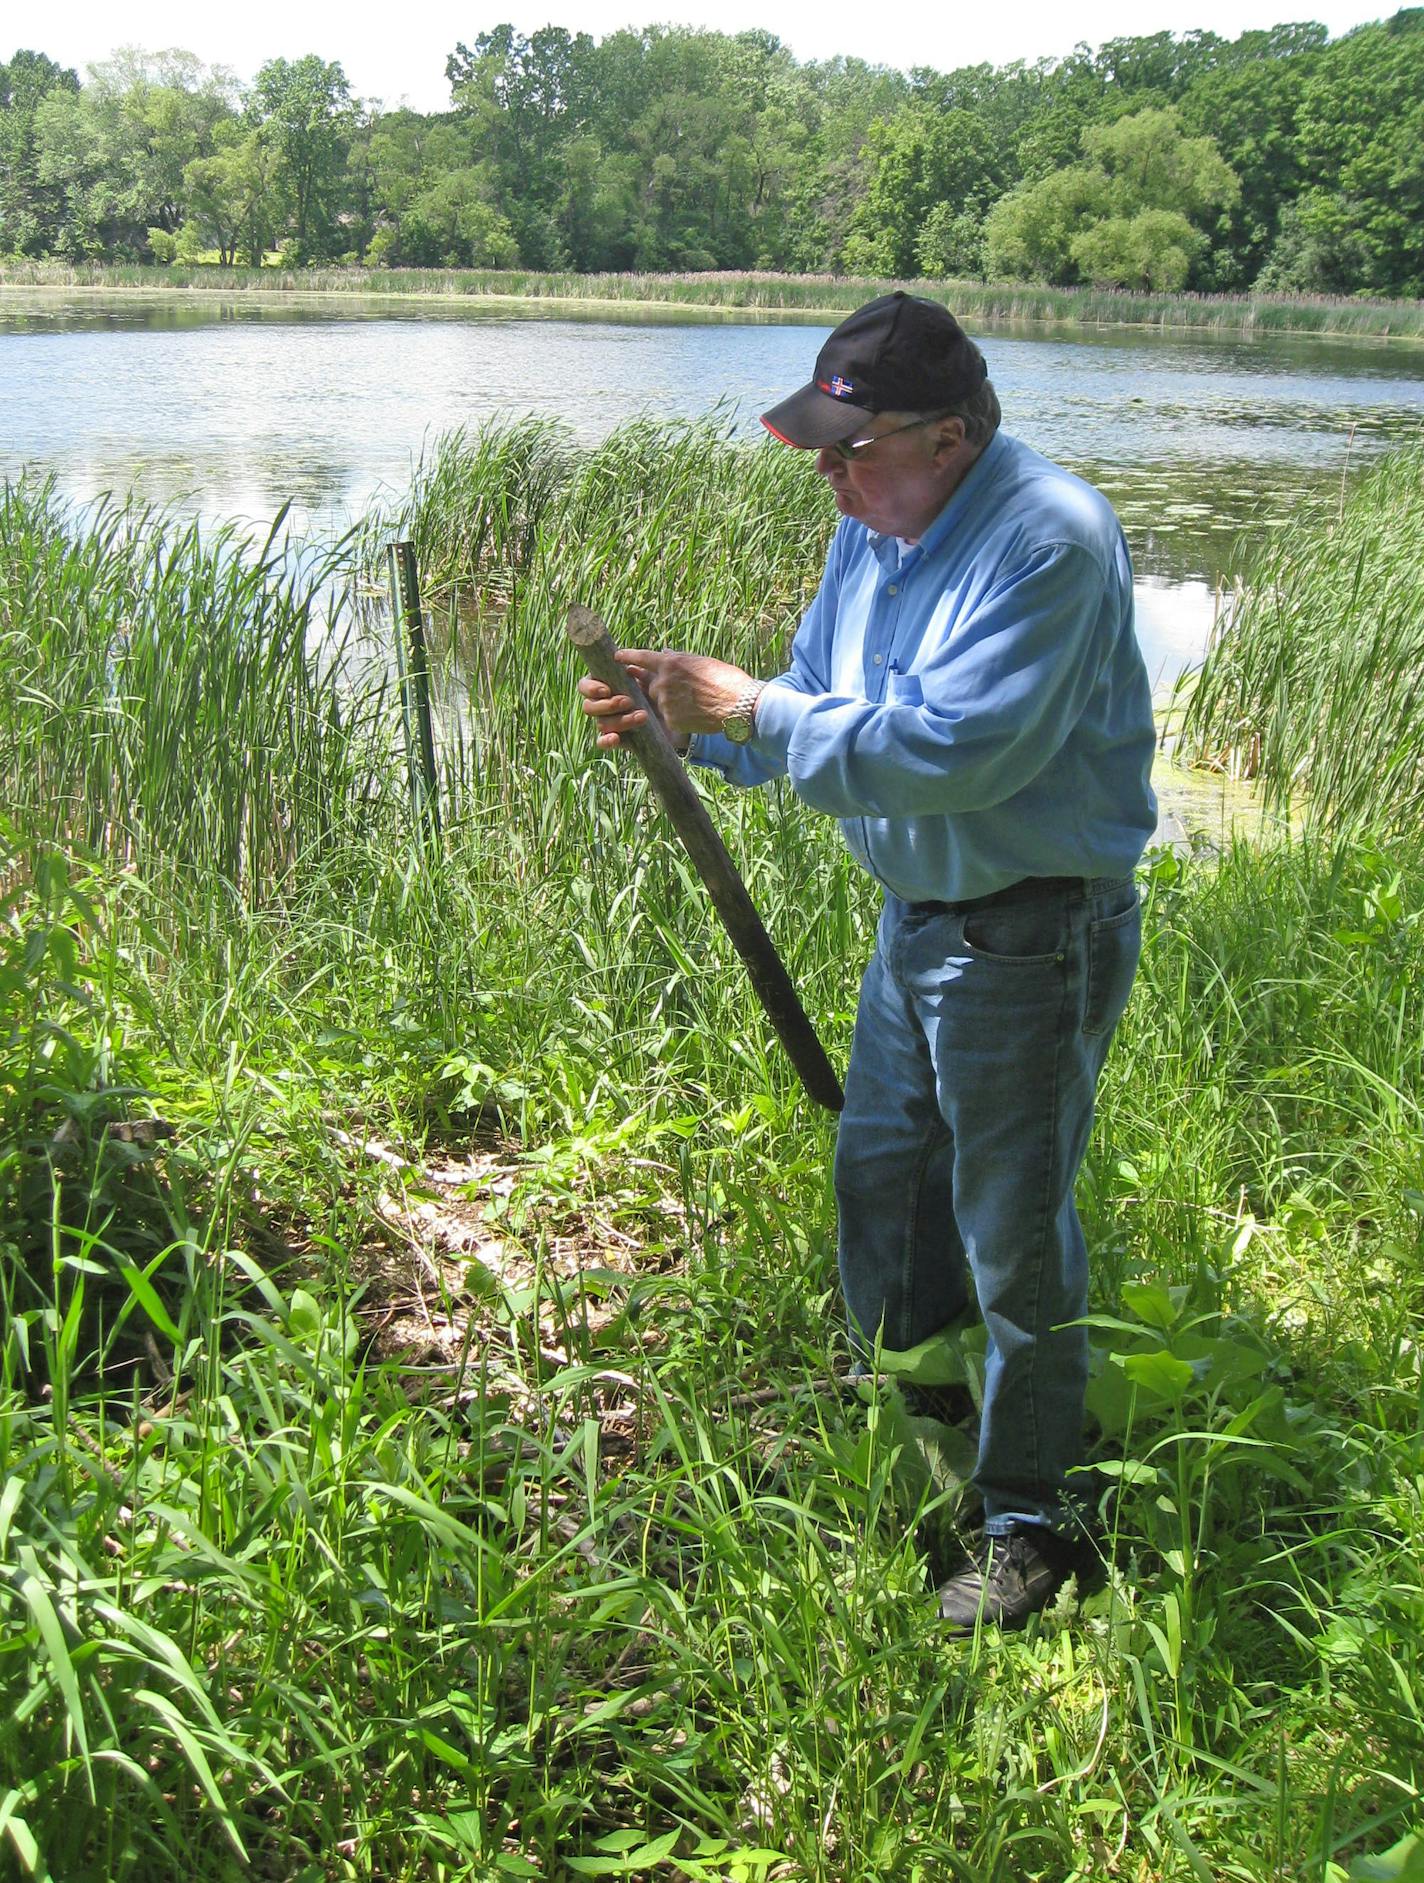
{"x":676,"y":793}
{"x":413,"y":666}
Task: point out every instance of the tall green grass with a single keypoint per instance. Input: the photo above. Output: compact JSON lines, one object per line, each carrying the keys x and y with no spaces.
{"x":833,"y":295}
{"x":336,"y":1547}
{"x":173,"y":697}
{"x":1315,"y":682}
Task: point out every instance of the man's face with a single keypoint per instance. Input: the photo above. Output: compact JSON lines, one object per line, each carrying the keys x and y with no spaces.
{"x":899,"y":484}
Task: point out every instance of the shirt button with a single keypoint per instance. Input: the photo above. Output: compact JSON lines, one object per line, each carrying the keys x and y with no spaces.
{"x":894,"y":589}
{"x":878,"y":659}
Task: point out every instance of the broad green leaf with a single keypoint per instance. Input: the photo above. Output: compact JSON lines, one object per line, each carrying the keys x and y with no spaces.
{"x":641,"y":1859}
{"x":1401,"y":1863}
{"x":1110,"y":1324}
{"x":1159,"y":1372}
{"x":304,"y":1316}
{"x":481,"y":1280}
{"x":1150,"y":1302}
{"x":1219,"y":1361}
{"x":937,"y":1361}
{"x":1128,"y":1470}
{"x":9,"y":1503}
{"x":449,"y":1754}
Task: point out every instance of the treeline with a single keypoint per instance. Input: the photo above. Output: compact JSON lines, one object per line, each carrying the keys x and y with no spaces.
{"x":1280,"y":160}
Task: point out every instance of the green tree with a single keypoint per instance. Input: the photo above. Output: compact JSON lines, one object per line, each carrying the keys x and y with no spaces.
{"x":1148,"y":164}
{"x":1360,"y":132}
{"x":837,"y":102}
{"x":160,"y":112}
{"x":1029,"y":235}
{"x":951,"y":244}
{"x":523,"y":99}
{"x":304,"y":111}
{"x":1249,"y":105}
{"x":595,"y":210}
{"x":113,"y":155}
{"x":233,"y":201}
{"x":918,"y":161}
{"x":77,"y":160}
{"x":1139,"y":166}
{"x":1154,"y":248}
{"x":775,"y":133}
{"x":1071,"y":97}
{"x":693,"y":149}
{"x":1284,"y":158}
{"x":1159,"y":63}
{"x":115,"y":152}
{"x":405,"y":155}
{"x":30,"y":210}
{"x":451,"y":223}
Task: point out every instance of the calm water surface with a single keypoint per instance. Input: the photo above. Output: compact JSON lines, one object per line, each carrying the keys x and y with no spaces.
{"x":230,"y":408}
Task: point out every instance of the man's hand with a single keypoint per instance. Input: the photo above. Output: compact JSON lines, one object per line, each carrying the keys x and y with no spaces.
{"x":690,"y":693}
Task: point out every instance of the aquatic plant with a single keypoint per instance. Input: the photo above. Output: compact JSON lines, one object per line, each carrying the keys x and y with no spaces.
{"x":768,"y":293}
{"x":1315,"y":680}
{"x":174,"y":695}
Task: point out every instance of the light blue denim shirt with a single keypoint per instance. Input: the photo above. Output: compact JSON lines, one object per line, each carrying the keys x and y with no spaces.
{"x":975,"y":708}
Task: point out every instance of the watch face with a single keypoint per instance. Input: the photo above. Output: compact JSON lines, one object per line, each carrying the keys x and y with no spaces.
{"x":740,"y":723}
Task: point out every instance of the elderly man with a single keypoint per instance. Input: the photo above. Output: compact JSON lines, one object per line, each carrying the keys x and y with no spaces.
{"x":966,"y":695}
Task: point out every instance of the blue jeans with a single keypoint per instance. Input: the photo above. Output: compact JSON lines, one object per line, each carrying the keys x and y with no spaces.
{"x":978,"y":1043}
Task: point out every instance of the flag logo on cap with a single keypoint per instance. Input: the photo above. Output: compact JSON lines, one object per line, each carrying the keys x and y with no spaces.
{"x":839,"y":388}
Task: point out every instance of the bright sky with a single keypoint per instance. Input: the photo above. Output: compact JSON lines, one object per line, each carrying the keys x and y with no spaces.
{"x":400,"y":57}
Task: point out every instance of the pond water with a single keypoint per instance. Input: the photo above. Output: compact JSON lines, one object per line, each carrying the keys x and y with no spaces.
{"x":230,"y":407}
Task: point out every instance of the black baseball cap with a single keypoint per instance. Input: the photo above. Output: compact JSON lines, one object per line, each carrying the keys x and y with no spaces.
{"x":899,"y":353}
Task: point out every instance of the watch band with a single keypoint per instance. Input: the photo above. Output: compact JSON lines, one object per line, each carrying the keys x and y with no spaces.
{"x":740,"y":723}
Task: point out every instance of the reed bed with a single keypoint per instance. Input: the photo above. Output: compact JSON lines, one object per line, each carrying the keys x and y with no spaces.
{"x":173,"y":701}
{"x":752,"y":292}
{"x":1315,"y":681}
{"x":431,"y":1461}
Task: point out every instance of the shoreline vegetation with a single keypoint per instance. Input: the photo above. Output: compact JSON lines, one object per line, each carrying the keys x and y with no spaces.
{"x":1278,"y":161}
{"x":1312,"y":682}
{"x":757,"y":292}
{"x":425,"y":1430}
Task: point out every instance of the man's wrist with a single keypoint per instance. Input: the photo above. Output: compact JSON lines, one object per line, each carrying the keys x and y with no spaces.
{"x":740,"y":724}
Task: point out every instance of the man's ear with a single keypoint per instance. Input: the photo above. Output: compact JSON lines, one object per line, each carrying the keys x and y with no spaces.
{"x":948,"y":438}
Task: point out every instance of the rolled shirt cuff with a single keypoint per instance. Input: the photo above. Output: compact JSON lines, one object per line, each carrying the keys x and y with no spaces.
{"x":779,"y":712}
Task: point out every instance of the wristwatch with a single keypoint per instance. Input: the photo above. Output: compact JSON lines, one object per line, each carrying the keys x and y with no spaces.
{"x":740,"y":723}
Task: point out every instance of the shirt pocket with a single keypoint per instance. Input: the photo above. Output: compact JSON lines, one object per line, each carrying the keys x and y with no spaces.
{"x":903,"y":689}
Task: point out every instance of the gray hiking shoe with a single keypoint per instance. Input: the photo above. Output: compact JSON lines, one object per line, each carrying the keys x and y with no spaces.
{"x":1006,"y":1580}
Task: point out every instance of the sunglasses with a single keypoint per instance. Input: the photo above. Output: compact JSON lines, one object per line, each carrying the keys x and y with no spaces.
{"x":851,"y":448}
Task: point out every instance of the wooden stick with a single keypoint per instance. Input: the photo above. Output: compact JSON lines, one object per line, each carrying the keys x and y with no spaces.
{"x":678,"y":796}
